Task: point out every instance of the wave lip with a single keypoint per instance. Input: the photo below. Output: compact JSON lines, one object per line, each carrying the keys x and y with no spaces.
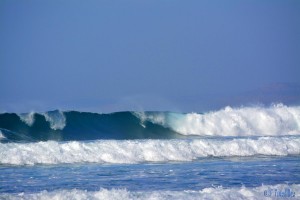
{"x":27,"y":118}
{"x":139,"y":151}
{"x":291,"y":191}
{"x":56,"y":119}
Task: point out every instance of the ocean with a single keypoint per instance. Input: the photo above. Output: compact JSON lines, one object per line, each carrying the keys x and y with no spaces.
{"x":233,"y":153}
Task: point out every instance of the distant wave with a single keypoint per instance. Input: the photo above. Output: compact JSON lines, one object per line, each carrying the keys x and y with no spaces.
{"x":139,"y":151}
{"x":206,"y":193}
{"x":277,"y":120}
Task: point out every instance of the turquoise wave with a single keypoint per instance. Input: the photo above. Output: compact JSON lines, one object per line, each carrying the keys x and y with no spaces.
{"x":276,"y":120}
{"x":73,"y":125}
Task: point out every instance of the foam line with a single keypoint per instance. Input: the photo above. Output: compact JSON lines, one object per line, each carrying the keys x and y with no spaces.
{"x":139,"y":151}
{"x":256,"y":193}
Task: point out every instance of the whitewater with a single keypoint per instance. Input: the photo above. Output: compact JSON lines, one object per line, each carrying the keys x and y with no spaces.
{"x":139,"y":151}
{"x":233,"y":153}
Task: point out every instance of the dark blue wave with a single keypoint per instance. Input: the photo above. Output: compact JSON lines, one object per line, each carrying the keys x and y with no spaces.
{"x":73,"y":125}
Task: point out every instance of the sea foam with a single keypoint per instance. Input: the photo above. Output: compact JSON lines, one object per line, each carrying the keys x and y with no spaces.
{"x":246,"y":121}
{"x":27,"y":118}
{"x":219,"y":193}
{"x":2,"y":137}
{"x":139,"y":151}
{"x":56,"y":119}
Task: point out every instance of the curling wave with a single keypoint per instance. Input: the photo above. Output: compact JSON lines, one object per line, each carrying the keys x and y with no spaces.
{"x":277,"y":120}
{"x":73,"y":125}
{"x":139,"y":151}
{"x":246,"y":121}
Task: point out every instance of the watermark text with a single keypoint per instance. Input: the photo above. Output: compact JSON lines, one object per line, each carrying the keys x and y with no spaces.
{"x":284,"y":192}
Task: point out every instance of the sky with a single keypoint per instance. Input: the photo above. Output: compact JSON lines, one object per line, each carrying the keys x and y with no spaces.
{"x":175,"y":55}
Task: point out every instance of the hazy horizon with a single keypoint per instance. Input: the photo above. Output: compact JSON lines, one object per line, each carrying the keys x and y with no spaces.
{"x":187,"y":56}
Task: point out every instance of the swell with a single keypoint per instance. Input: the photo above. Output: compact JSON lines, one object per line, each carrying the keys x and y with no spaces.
{"x":140,"y":151}
{"x":66,"y":126}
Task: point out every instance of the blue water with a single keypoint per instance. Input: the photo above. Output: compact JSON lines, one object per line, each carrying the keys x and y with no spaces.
{"x":244,"y":153}
{"x":197,"y":175}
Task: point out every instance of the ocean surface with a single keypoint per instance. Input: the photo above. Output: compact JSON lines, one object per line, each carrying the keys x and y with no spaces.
{"x":232,"y":153}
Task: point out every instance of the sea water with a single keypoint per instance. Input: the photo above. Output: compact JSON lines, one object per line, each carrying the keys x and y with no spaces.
{"x":233,"y":153}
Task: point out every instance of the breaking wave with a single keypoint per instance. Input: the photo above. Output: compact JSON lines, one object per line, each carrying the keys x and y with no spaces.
{"x":276,"y":120}
{"x":211,"y":193}
{"x":56,"y":120}
{"x":72,"y":125}
{"x":27,"y":118}
{"x":246,"y":121}
{"x":140,"y":151}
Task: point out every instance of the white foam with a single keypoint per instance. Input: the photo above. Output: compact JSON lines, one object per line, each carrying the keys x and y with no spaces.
{"x":2,"y":137}
{"x":27,"y":118}
{"x":156,"y":118}
{"x":246,"y":121}
{"x":56,"y":119}
{"x":139,"y":151}
{"x":218,"y":193}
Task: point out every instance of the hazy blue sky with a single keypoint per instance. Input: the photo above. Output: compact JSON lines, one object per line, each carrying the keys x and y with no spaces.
{"x":112,"y":55}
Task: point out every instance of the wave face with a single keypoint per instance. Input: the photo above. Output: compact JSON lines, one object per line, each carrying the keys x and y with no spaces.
{"x":291,"y":191}
{"x":140,"y":151}
{"x":277,"y":120}
{"x":66,"y":126}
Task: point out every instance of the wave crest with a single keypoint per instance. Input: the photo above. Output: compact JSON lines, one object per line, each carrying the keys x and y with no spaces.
{"x":56,"y":119}
{"x":27,"y":118}
{"x":246,"y":121}
{"x":139,"y":151}
{"x":276,"y":120}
